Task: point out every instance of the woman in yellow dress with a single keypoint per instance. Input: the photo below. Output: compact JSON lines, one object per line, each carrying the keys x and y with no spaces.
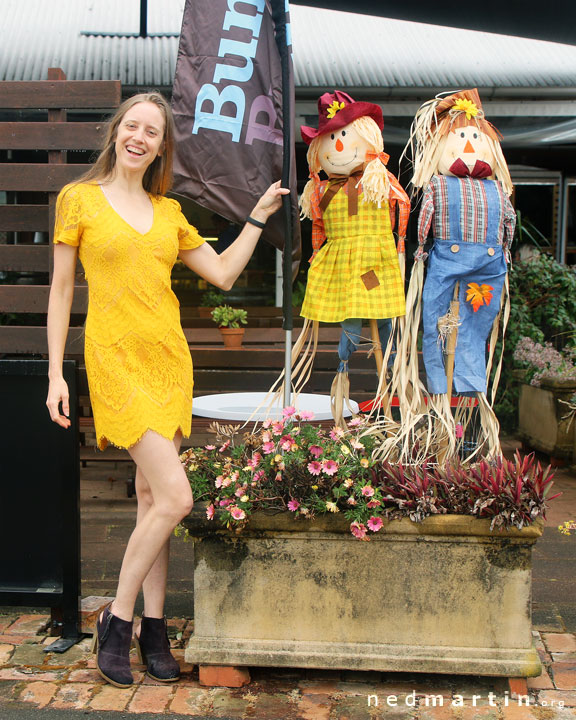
{"x":128,"y":236}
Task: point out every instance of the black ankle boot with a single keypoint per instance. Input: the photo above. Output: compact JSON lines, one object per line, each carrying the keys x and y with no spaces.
{"x":153,"y":649}
{"x":111,"y":644}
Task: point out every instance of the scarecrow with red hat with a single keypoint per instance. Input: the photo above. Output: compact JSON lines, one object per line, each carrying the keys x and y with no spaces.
{"x":354,"y":271}
{"x":465,"y":207}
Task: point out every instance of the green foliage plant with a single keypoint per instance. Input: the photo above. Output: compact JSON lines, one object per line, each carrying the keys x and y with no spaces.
{"x":543,"y":308}
{"x":227,"y":316}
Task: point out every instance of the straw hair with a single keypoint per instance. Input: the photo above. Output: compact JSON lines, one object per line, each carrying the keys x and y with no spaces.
{"x":427,"y":137}
{"x":157,"y":179}
{"x":375,"y":183}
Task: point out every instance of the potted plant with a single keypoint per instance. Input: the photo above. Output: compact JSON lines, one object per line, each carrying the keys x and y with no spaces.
{"x":548,"y":384}
{"x":209,"y":300}
{"x":228,"y":320}
{"x":283,"y":578}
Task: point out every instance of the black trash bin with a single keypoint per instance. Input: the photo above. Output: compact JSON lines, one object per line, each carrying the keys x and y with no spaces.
{"x":39,"y":498}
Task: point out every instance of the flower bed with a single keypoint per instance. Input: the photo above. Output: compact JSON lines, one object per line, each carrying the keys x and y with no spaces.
{"x":296,"y":467}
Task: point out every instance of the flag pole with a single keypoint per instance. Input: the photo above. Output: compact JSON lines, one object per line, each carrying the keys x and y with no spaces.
{"x":279,"y":8}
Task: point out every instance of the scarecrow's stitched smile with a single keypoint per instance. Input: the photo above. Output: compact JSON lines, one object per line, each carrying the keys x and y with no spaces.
{"x":329,"y":158}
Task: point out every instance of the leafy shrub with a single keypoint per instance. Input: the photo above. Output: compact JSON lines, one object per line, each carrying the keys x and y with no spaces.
{"x":226,"y":316}
{"x":543,"y":308}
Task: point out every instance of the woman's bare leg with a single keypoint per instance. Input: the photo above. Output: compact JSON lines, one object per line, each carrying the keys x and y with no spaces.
{"x":154,"y":586}
{"x":159,"y":465}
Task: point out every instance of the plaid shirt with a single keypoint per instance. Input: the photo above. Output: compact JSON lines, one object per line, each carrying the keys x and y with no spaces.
{"x":473,"y":212}
{"x":397,"y":200}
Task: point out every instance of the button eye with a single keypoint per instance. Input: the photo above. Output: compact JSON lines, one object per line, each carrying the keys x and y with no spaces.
{"x":343,"y":133}
{"x":462,"y":135}
{"x":475,"y":136}
{"x":332,"y":136}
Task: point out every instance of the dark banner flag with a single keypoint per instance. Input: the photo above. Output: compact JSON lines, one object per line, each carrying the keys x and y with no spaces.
{"x":227,"y":105}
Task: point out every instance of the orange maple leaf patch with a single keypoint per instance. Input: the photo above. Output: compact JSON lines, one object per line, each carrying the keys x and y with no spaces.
{"x":479,"y":295}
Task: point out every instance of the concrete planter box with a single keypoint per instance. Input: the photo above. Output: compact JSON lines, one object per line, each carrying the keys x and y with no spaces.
{"x":446,"y":595}
{"x":541,"y":423}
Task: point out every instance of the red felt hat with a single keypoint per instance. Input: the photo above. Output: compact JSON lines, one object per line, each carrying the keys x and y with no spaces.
{"x":335,"y":110}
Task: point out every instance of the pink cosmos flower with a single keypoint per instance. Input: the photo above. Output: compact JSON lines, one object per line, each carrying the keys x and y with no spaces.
{"x":367,"y":491}
{"x":240,"y":491}
{"x":268,"y":448}
{"x":351,"y":500}
{"x":358,"y":530}
{"x":225,"y":502}
{"x":316,"y":450}
{"x":459,"y":430}
{"x":224,"y":446}
{"x":375,"y":523}
{"x":266,"y":436}
{"x":329,"y":467}
{"x":286,"y":442}
{"x":306,"y":415}
{"x":336,"y":433}
{"x":314,"y":467}
{"x":237,"y":513}
{"x":209,"y":447}
{"x":218,"y":481}
{"x":373,"y":504}
{"x":258,"y":475}
{"x":288,"y":411}
{"x":278,"y":427}
{"x":226,"y":482}
{"x":355,"y":422}
{"x":210,"y":511}
{"x":254,"y":460}
{"x":267,"y":423}
{"x":293,"y":505}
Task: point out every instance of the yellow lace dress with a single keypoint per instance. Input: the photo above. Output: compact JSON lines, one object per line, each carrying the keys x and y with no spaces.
{"x":137,"y":359}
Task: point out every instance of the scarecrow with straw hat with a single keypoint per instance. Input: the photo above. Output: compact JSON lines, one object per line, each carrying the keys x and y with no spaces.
{"x":458,"y":162}
{"x":354,"y":271}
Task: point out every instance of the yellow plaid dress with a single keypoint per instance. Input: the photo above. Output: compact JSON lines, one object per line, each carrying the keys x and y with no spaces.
{"x":355,"y":274}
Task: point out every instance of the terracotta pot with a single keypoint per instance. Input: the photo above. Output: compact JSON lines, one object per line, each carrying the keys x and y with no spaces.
{"x":232,"y":336}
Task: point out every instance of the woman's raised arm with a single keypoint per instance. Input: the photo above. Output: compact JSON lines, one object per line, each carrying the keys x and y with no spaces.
{"x":223,"y":270}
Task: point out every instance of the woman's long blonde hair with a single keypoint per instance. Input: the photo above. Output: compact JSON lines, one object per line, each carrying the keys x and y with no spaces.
{"x":375,"y":183}
{"x":157,"y":179}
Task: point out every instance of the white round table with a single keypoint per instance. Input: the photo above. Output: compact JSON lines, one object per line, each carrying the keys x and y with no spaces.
{"x":241,"y":406}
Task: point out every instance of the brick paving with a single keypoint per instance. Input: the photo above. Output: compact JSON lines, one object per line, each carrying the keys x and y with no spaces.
{"x":31,"y":678}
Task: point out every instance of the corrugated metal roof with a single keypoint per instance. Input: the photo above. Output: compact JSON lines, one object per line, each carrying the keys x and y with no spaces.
{"x":331,"y":49}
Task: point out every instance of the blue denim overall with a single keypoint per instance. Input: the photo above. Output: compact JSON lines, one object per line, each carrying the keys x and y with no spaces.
{"x":455,"y":260}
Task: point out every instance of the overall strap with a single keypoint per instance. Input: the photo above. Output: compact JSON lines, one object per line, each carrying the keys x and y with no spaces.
{"x":493,"y":211}
{"x":454,"y":193}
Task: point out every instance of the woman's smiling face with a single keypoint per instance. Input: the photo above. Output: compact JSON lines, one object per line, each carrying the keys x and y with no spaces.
{"x":342,"y":151}
{"x":140,"y":136}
